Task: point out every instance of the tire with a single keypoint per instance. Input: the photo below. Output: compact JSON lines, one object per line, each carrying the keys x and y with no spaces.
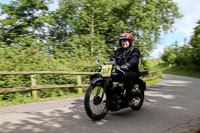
{"x":95,"y":102}
{"x":138,"y":100}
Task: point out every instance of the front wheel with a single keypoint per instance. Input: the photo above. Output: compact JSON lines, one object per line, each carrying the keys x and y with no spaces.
{"x":95,"y":102}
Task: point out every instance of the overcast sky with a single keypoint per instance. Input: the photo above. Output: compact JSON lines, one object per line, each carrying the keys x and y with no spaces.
{"x":183,"y":28}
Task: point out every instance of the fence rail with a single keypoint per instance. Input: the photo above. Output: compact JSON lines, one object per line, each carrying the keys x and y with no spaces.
{"x":35,"y":87}
{"x":47,"y":72}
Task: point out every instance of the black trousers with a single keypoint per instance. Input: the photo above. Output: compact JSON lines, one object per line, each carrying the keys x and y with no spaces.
{"x":129,"y":79}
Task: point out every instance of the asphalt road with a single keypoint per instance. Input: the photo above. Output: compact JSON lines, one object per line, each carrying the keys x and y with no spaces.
{"x":174,"y":107}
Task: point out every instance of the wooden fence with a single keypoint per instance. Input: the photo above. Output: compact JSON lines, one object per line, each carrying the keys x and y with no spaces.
{"x":35,"y":87}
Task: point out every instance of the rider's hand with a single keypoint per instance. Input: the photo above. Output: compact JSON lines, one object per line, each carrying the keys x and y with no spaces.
{"x":124,"y":67}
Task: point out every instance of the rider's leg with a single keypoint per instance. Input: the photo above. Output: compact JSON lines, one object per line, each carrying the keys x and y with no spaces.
{"x":128,"y":81}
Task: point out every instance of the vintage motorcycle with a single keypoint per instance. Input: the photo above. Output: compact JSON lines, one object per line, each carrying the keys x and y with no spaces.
{"x":106,"y":92}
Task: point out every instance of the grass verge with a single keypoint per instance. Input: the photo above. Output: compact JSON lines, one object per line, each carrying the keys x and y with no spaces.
{"x":188,"y":71}
{"x":153,"y":82}
{"x":31,"y":100}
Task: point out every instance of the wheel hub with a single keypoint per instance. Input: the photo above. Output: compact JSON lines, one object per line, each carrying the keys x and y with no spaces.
{"x":96,"y":100}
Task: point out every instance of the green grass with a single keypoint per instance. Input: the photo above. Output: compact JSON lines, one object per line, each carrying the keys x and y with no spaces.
{"x":153,"y":82}
{"x":31,"y":100}
{"x":154,"y":64}
{"x":189,"y":71}
{"x":184,"y":70}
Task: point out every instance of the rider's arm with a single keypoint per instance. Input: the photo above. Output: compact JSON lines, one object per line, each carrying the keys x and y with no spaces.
{"x":133,"y":62}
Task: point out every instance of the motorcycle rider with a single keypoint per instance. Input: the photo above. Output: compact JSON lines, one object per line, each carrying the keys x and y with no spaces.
{"x":127,"y":57}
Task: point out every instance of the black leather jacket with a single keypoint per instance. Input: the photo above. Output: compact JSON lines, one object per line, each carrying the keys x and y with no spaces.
{"x":129,"y":56}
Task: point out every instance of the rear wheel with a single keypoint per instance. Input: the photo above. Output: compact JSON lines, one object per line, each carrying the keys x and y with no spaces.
{"x":95,"y":102}
{"x":138,"y":99}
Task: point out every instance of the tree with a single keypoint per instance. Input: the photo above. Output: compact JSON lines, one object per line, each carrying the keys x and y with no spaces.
{"x":25,"y":22}
{"x":144,"y":19}
{"x":61,"y":29}
{"x":195,"y":44}
{"x":170,"y":54}
{"x":80,"y":22}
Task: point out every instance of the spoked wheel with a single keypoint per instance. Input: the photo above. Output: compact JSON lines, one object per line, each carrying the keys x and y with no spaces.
{"x":95,"y":102}
{"x":138,"y":99}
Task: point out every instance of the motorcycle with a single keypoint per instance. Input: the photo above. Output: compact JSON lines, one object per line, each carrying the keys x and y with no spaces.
{"x":106,"y":92}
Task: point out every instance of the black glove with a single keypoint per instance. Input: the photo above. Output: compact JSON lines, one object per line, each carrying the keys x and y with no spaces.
{"x":124,"y":67}
{"x":113,"y":59}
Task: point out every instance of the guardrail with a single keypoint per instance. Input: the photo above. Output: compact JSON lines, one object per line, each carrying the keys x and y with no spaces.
{"x":35,"y":87}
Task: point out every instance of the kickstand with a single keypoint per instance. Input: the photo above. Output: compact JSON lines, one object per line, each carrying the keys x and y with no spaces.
{"x":147,"y":100}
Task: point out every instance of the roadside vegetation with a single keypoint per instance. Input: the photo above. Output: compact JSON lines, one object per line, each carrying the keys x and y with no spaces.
{"x":189,"y":71}
{"x":33,"y":38}
{"x":182,"y":70}
{"x":183,"y":60}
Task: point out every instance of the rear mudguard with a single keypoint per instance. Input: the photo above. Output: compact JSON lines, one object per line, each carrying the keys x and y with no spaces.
{"x":142,"y":85}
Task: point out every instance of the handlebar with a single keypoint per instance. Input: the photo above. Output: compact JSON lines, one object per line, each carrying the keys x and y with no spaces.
{"x":114,"y":66}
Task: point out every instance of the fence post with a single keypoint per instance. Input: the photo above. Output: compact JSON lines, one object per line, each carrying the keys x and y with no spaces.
{"x":34,"y":83}
{"x":79,"y":83}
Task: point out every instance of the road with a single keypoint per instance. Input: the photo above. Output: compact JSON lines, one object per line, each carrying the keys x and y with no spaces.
{"x":174,"y":107}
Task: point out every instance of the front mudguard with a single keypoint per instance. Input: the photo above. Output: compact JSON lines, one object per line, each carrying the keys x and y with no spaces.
{"x":107,"y":84}
{"x":94,"y":76}
{"x":96,"y":80}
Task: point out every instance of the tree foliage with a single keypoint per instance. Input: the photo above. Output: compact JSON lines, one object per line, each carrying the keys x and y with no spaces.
{"x":25,"y":22}
{"x":30,"y":21}
{"x":188,"y":54}
{"x":144,"y":19}
{"x":195,"y":45}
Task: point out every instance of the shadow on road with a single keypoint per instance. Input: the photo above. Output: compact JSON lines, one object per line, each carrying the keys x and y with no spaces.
{"x":63,"y":120}
{"x":170,"y":103}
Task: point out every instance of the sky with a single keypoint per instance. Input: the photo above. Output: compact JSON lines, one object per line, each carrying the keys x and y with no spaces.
{"x":182,"y":29}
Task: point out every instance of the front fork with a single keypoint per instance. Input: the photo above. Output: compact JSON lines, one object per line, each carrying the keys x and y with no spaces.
{"x":108,"y":85}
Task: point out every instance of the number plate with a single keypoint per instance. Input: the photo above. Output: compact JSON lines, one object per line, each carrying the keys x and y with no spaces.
{"x":106,"y":70}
